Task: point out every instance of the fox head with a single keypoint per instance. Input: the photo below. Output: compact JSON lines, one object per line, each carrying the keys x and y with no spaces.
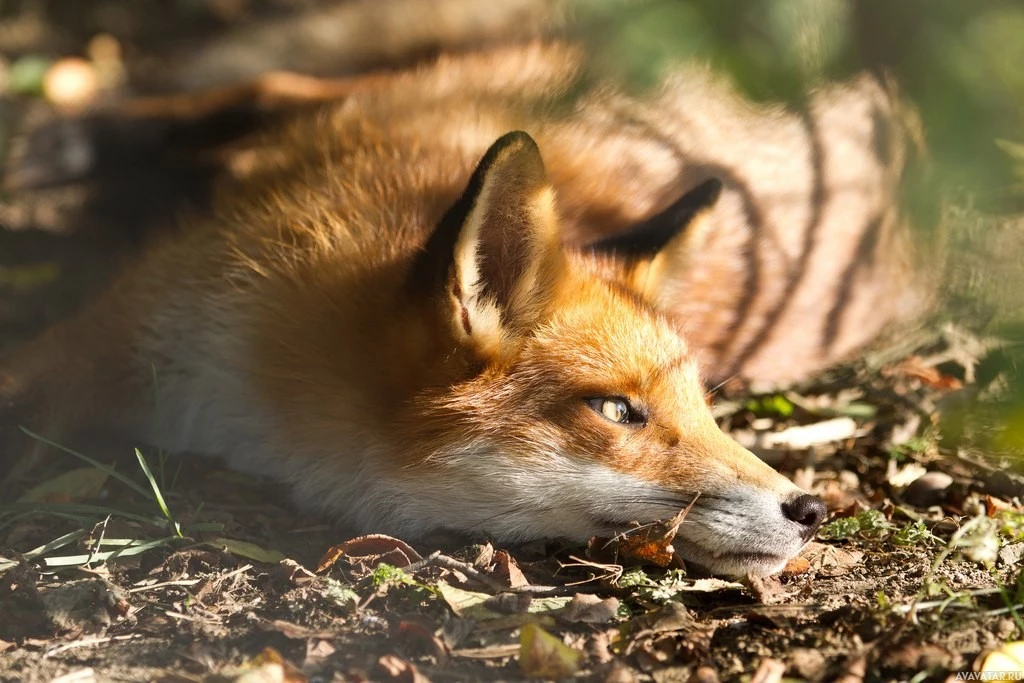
{"x":566,"y":404}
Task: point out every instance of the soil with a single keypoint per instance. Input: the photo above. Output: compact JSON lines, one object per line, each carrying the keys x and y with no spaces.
{"x":233,"y":592}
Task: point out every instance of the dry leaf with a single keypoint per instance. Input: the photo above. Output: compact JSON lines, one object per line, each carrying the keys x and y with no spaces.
{"x":591,"y":609}
{"x":928,"y":374}
{"x":796,"y":566}
{"x":466,"y":604}
{"x":371,"y":549}
{"x":473,"y":605}
{"x":70,"y":487}
{"x":652,"y":543}
{"x":415,"y":638}
{"x":542,"y":655}
{"x":830,"y":560}
{"x":507,"y":571}
{"x":250,"y":551}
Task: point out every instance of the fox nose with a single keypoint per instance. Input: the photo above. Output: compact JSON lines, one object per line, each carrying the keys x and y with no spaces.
{"x":807,"y":511}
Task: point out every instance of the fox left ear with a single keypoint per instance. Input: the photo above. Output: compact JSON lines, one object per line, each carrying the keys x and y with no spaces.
{"x":500,"y":246}
{"x":656,"y":252}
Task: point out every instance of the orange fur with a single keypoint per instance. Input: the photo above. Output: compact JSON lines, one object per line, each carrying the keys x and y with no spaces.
{"x":407,"y":343}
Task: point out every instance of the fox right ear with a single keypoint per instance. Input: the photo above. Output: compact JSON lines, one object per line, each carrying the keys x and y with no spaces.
{"x":497,"y":252}
{"x":656,"y":253}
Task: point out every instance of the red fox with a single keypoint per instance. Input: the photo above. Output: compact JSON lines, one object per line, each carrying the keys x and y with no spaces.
{"x":465,"y":297}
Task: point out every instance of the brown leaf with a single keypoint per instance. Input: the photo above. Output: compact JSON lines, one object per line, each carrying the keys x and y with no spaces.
{"x":993,"y":506}
{"x":831,"y":560}
{"x":415,"y":637}
{"x":590,"y":609}
{"x":542,"y":655}
{"x":796,"y":566}
{"x":648,"y":546}
{"x":915,"y":367}
{"x":507,"y":570}
{"x":371,"y":549}
{"x":652,"y":543}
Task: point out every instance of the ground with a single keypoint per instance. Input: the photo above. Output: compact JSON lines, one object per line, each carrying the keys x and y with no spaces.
{"x":118,"y":566}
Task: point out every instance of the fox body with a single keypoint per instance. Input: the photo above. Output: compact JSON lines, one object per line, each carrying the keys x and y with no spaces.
{"x":419,"y":319}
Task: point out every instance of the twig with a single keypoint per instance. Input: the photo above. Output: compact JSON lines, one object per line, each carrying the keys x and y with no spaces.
{"x":89,"y":642}
{"x":445,"y":562}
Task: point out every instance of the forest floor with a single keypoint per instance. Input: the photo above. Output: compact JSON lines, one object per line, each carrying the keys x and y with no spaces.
{"x":117,"y":564}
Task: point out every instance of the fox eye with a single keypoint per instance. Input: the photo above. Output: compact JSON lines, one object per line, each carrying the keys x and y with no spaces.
{"x":616,"y":410}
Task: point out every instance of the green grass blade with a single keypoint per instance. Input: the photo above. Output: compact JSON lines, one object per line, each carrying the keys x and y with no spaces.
{"x":81,"y":560}
{"x":55,"y":544}
{"x":156,"y":491}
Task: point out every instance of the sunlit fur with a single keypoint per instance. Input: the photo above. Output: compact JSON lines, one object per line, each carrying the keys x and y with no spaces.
{"x":288,"y":333}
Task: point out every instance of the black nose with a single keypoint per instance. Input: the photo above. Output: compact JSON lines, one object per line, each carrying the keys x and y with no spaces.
{"x":807,"y":511}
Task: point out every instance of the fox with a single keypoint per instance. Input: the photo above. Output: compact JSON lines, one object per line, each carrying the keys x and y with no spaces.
{"x":464,"y":297}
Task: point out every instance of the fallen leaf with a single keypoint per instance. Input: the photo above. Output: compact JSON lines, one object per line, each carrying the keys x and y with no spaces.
{"x":670,"y":617}
{"x":467,"y":604}
{"x":507,"y":571}
{"x":796,"y":566}
{"x":70,"y":487}
{"x":993,"y":506}
{"x":652,"y":543}
{"x":542,"y":655}
{"x":473,"y":605}
{"x":414,"y":638}
{"x":590,"y":609}
{"x":830,"y":560}
{"x":295,"y":572}
{"x":928,"y":374}
{"x":250,"y":551}
{"x":371,"y":549}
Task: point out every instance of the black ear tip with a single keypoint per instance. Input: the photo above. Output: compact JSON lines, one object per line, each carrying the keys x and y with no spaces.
{"x":707,"y":193}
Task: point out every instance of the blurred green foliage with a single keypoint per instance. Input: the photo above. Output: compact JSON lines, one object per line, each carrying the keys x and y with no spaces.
{"x":959,"y":62}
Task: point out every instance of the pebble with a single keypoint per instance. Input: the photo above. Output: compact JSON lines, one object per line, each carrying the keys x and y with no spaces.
{"x":1011,"y":554}
{"x":928,"y":489}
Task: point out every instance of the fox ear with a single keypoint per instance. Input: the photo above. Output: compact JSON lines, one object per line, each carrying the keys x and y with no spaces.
{"x":657,"y":252}
{"x":502,"y":245}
